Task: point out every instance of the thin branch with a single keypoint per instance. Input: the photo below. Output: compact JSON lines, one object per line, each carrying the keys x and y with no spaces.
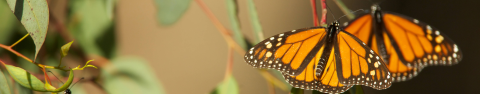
{"x":17,"y":53}
{"x":272,"y":79}
{"x":271,"y":88}
{"x":224,"y":31}
{"x":28,"y":59}
{"x":314,"y":11}
{"x":227,"y":36}
{"x":324,"y":13}
{"x":229,"y":69}
{"x":19,"y":41}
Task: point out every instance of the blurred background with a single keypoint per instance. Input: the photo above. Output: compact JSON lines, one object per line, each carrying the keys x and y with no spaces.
{"x":136,"y":52}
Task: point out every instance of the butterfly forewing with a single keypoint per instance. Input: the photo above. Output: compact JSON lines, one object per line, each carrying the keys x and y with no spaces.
{"x":289,"y":52}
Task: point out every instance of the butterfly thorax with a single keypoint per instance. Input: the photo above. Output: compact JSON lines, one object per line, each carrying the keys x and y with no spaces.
{"x":332,"y":32}
{"x":377,"y":30}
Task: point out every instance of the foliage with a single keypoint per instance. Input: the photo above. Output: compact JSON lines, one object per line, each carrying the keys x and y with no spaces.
{"x":30,"y":49}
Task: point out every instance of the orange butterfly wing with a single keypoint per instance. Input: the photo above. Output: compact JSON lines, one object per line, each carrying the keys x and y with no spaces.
{"x":324,"y":79}
{"x":289,"y":52}
{"x":407,"y":45}
{"x":298,"y":55}
{"x":358,"y":64}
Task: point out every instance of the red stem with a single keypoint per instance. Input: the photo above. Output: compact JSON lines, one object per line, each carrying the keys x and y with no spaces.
{"x":324,"y":12}
{"x":314,"y":10}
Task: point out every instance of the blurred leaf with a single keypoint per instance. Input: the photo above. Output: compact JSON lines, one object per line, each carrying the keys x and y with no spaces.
{"x":7,"y":22}
{"x":65,"y":48}
{"x":34,"y":15}
{"x":130,"y":75}
{"x":228,"y":86}
{"x":170,"y":11}
{"x":296,"y":91}
{"x":4,"y":88}
{"x":110,"y":7}
{"x":29,"y":81}
{"x":22,"y":90}
{"x":257,"y":28}
{"x":234,"y":21}
{"x":90,"y":20}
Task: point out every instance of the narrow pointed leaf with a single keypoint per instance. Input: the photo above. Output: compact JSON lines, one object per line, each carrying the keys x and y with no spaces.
{"x":257,"y":28}
{"x":34,"y":16}
{"x":4,"y":88}
{"x":65,"y":48}
{"x":29,"y":81}
{"x":170,"y":11}
{"x":234,"y":21}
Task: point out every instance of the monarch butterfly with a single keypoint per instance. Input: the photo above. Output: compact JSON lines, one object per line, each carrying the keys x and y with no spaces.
{"x":326,"y":59}
{"x":405,"y":44}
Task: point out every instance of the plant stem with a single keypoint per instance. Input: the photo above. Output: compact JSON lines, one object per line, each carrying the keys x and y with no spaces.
{"x":314,"y":11}
{"x":227,"y":36}
{"x":271,"y":88}
{"x":229,"y":69}
{"x":272,"y":79}
{"x":19,"y":41}
{"x":224,"y":31}
{"x":28,"y":59}
{"x":324,"y":13}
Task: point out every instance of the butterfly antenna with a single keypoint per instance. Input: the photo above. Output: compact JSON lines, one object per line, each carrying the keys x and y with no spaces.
{"x":330,"y":11}
{"x":352,"y":13}
{"x":76,"y":82}
{"x":56,"y":76}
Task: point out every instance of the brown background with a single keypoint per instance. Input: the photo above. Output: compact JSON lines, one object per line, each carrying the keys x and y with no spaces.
{"x":190,"y":56}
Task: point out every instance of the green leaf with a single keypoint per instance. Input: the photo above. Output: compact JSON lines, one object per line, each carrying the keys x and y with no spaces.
{"x":257,"y":28}
{"x":130,"y":75}
{"x":234,"y":21}
{"x":65,"y":48}
{"x":29,"y":81}
{"x":90,"y":20}
{"x":4,"y":88}
{"x":170,"y":11}
{"x":296,"y":91}
{"x":228,"y":86}
{"x":34,"y":15}
{"x":7,"y":22}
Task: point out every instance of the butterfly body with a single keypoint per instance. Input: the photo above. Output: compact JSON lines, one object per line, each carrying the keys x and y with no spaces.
{"x":326,"y":59}
{"x":405,"y":44}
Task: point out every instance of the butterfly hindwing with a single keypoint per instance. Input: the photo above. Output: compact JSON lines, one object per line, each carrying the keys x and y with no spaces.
{"x":289,"y":52}
{"x":319,"y":76}
{"x":357,"y":64}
